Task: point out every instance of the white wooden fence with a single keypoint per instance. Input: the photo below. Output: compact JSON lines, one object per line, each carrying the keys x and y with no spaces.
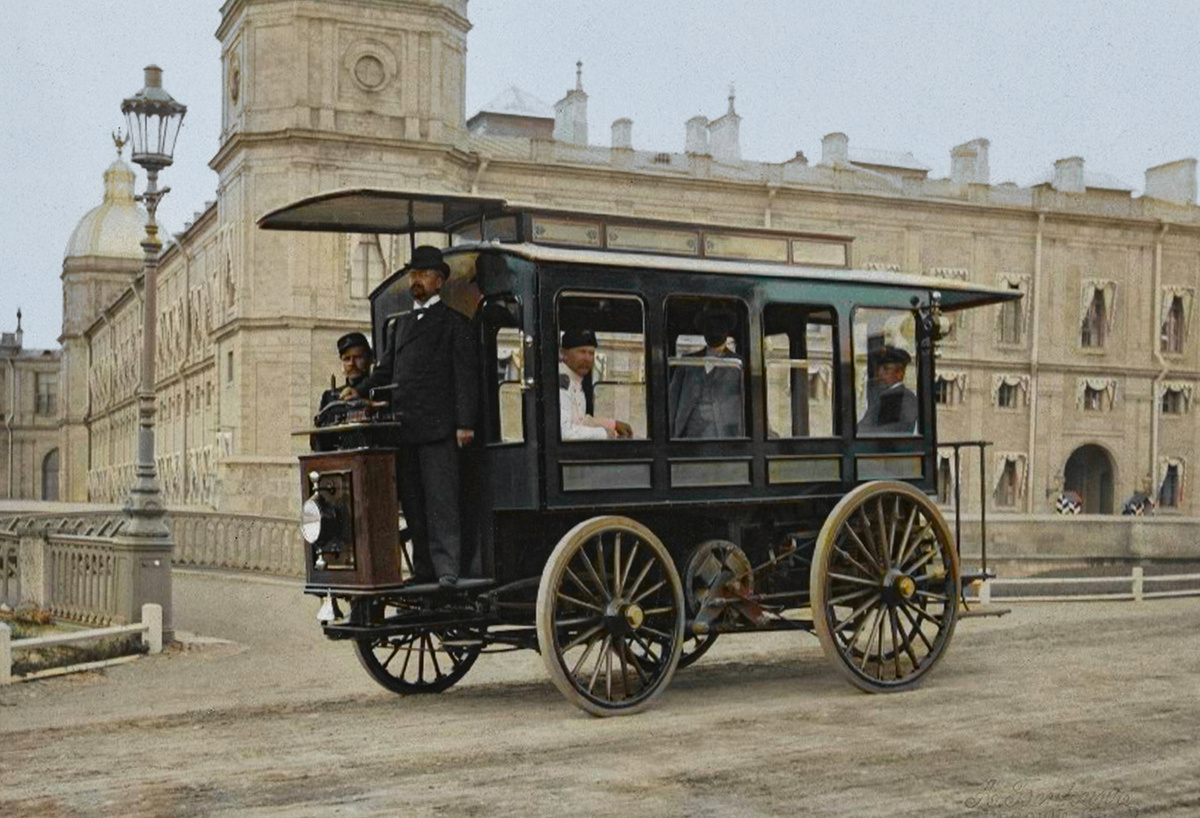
{"x":1136,"y":581}
{"x":151,"y":629}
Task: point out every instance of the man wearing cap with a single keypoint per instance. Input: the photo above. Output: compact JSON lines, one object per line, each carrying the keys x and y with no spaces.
{"x":356,"y":357}
{"x":431,"y":365}
{"x":894,"y":409}
{"x":705,"y":393}
{"x":575,"y":397}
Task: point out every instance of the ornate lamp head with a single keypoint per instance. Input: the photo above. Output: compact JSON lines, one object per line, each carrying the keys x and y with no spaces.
{"x":153,"y":118}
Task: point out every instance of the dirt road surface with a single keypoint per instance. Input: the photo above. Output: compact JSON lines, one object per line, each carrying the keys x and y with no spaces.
{"x":1054,"y":710}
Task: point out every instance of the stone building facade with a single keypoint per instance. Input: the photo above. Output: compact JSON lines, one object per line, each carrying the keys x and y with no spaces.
{"x":1085,"y":385}
{"x":30,"y":455}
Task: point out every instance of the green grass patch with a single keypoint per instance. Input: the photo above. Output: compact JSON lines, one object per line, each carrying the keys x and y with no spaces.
{"x":33,"y":660}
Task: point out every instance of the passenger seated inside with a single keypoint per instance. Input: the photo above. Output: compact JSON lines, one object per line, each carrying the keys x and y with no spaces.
{"x":576,"y":396}
{"x":706,"y":385}
{"x":891,"y":406}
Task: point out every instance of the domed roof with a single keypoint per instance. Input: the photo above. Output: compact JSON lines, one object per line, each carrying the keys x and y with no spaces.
{"x":116,"y":227}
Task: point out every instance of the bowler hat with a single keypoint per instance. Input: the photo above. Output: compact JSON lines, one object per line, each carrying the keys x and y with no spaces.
{"x":428,"y":257}
{"x":351,"y":340}
{"x":716,"y":319}
{"x":578,"y":338}
{"x":894,"y":355}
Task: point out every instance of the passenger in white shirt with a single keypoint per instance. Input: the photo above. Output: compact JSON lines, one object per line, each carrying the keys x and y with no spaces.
{"x":575,"y":392}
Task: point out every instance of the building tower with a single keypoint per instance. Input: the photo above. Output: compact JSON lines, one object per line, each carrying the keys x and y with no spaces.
{"x":102,"y":259}
{"x":317,"y":96}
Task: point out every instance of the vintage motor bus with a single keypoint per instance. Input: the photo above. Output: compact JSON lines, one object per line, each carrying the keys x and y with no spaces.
{"x":621,"y":559}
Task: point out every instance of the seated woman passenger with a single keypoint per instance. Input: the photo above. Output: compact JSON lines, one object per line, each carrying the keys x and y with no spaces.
{"x":575,"y":397}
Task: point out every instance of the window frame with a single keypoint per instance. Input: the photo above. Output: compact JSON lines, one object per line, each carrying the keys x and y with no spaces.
{"x":742,"y":340}
{"x":835,"y":364}
{"x":922,"y":421}
{"x":556,"y":337}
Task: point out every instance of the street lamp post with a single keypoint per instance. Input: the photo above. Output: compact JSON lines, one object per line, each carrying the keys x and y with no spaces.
{"x":153,"y":119}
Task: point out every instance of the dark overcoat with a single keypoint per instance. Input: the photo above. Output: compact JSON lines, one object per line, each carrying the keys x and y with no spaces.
{"x":432,"y":361}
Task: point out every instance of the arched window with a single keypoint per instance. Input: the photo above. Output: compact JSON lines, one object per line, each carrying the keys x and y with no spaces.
{"x":50,"y":475}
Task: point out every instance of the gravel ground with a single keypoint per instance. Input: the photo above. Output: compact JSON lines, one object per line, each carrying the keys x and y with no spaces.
{"x":1055,"y":709}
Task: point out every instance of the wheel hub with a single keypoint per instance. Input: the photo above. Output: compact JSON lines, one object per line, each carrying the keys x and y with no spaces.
{"x":898,"y":586}
{"x":623,"y":617}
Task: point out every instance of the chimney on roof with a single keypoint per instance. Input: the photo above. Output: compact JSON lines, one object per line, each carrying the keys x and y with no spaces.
{"x":1173,"y":182}
{"x":697,"y":135}
{"x":969,"y":163}
{"x":20,"y":332}
{"x":570,"y":113}
{"x":622,"y":133}
{"x":723,"y":135}
{"x":1068,"y":175}
{"x":835,"y":149}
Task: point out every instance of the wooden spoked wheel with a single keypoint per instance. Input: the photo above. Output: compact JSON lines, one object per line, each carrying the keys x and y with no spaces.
{"x":884,"y":586}
{"x":610,"y":616}
{"x":428,"y":661}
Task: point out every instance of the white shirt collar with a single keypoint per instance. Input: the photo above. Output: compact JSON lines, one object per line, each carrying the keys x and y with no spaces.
{"x":419,"y":306}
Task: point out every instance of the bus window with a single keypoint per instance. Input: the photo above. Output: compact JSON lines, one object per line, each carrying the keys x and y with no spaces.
{"x":706,"y":368}
{"x":602,"y":366}
{"x":798,"y":346}
{"x":505,"y":353}
{"x":885,"y":370}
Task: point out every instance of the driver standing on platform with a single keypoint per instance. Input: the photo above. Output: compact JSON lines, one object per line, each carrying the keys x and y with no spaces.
{"x":431,"y":365}
{"x":356,"y":357}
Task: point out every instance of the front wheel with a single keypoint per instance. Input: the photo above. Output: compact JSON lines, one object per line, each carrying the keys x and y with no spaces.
{"x":428,"y":661}
{"x":610,"y":616}
{"x":884,"y":586}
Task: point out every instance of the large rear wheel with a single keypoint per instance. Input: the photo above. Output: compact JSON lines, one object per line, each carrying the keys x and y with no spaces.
{"x":884,"y":586}
{"x":610,"y":616}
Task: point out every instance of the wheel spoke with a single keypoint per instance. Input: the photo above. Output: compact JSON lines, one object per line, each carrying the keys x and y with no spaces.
{"x":916,"y":628}
{"x":583,"y":658}
{"x":636,"y":662}
{"x":608,"y":673}
{"x":600,"y":563}
{"x":866,"y":653}
{"x":578,"y":640}
{"x":624,"y":667}
{"x":580,"y":602}
{"x":885,"y":544}
{"x":628,"y":565}
{"x":666,"y":637}
{"x":599,"y":661}
{"x":407,"y":656}
{"x":592,"y":570}
{"x":916,"y":565}
{"x":641,"y":577}
{"x":840,"y":599}
{"x":902,"y":544}
{"x":617,"y":565}
{"x":849,"y":529}
{"x":437,"y":669}
{"x":657,"y":611}
{"x":895,"y":641}
{"x":931,"y":595}
{"x":872,"y":583}
{"x":649,"y":591}
{"x":907,"y":642}
{"x":914,"y":542}
{"x":578,"y":584}
{"x":392,"y":655}
{"x":852,"y":561}
{"x":922,"y":614}
{"x":421,"y":662}
{"x":857,"y":612}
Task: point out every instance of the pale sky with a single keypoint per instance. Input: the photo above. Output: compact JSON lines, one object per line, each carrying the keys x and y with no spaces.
{"x":1115,"y":83}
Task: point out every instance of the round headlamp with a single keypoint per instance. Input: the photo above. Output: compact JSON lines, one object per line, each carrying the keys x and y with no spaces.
{"x":312,"y":520}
